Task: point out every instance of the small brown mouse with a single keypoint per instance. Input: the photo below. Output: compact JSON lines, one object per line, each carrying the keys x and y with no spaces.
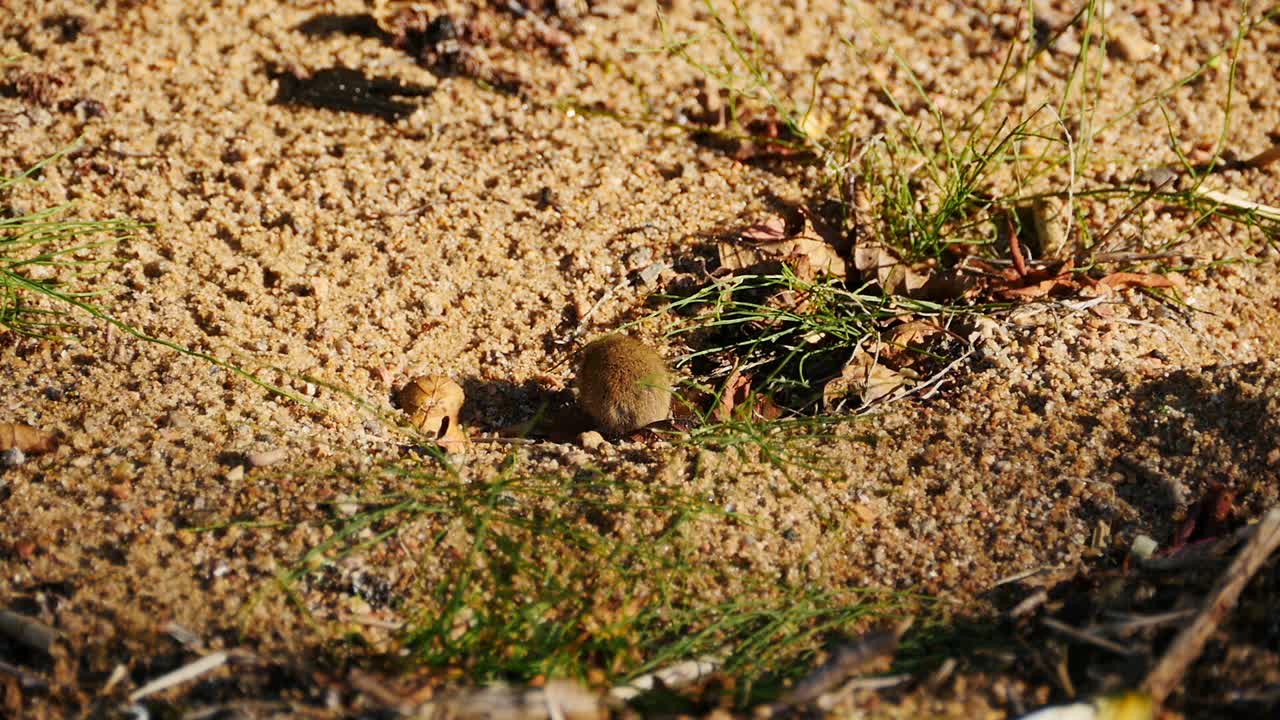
{"x":623,"y":384}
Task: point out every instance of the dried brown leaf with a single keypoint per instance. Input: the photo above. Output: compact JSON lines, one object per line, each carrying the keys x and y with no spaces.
{"x":1037,"y":283}
{"x":774,"y":241}
{"x":736,"y":399}
{"x":882,"y":265}
{"x":1207,"y":518}
{"x":1121,"y":280}
{"x":864,"y":378}
{"x":907,"y":336}
{"x":735,"y":390}
{"x":25,"y":438}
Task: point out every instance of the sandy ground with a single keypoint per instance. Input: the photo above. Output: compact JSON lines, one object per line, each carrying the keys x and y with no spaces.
{"x":469,"y":239}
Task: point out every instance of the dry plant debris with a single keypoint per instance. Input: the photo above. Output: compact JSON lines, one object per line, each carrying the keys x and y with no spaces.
{"x":735,"y":399}
{"x":776,"y":240}
{"x":27,"y":631}
{"x":1168,"y":673}
{"x":28,"y":439}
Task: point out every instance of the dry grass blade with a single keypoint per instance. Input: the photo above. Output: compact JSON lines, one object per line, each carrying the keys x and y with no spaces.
{"x":1240,"y":205}
{"x":190,"y":671}
{"x":674,"y":676}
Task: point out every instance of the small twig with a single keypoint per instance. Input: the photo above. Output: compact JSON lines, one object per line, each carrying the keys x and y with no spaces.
{"x":25,"y":678}
{"x":1138,"y":622}
{"x":1029,"y":604}
{"x":185,"y":637}
{"x":830,"y":700}
{"x":191,"y":671}
{"x":1022,"y":575}
{"x":1199,"y":553}
{"x":844,"y":662}
{"x":874,"y":683}
{"x":678,"y":675}
{"x":1088,"y":637}
{"x":27,"y":631}
{"x":379,"y":693}
{"x":1187,"y":646}
{"x":118,"y":673}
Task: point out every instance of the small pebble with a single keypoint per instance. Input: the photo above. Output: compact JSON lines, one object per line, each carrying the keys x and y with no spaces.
{"x":266,"y":457}
{"x":1143,"y":547}
{"x":650,"y":274}
{"x":591,"y":440}
{"x":1128,"y":42}
{"x":13,"y":457}
{"x":346,"y":506}
{"x":235,"y":474}
{"x":639,"y":258}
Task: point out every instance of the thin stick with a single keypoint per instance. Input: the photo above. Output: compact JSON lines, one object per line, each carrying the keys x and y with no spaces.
{"x":678,"y":675}
{"x":1087,"y":637}
{"x":1137,"y":622}
{"x":843,"y":663}
{"x":191,"y":671}
{"x":1187,"y":646}
{"x":27,"y":679}
{"x":27,"y":631}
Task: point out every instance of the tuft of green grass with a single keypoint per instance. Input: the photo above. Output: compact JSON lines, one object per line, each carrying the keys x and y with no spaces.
{"x":45,"y":256}
{"x":792,"y":334}
{"x":589,"y":576}
{"x":937,"y":188}
{"x":48,"y":264}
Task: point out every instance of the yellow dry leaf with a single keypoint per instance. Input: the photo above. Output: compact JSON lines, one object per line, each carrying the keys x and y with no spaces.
{"x":876,"y":262}
{"x":25,"y":438}
{"x":432,"y":403}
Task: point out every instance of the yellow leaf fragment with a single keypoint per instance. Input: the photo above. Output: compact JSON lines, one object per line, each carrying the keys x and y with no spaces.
{"x":25,"y":438}
{"x":432,"y":403}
